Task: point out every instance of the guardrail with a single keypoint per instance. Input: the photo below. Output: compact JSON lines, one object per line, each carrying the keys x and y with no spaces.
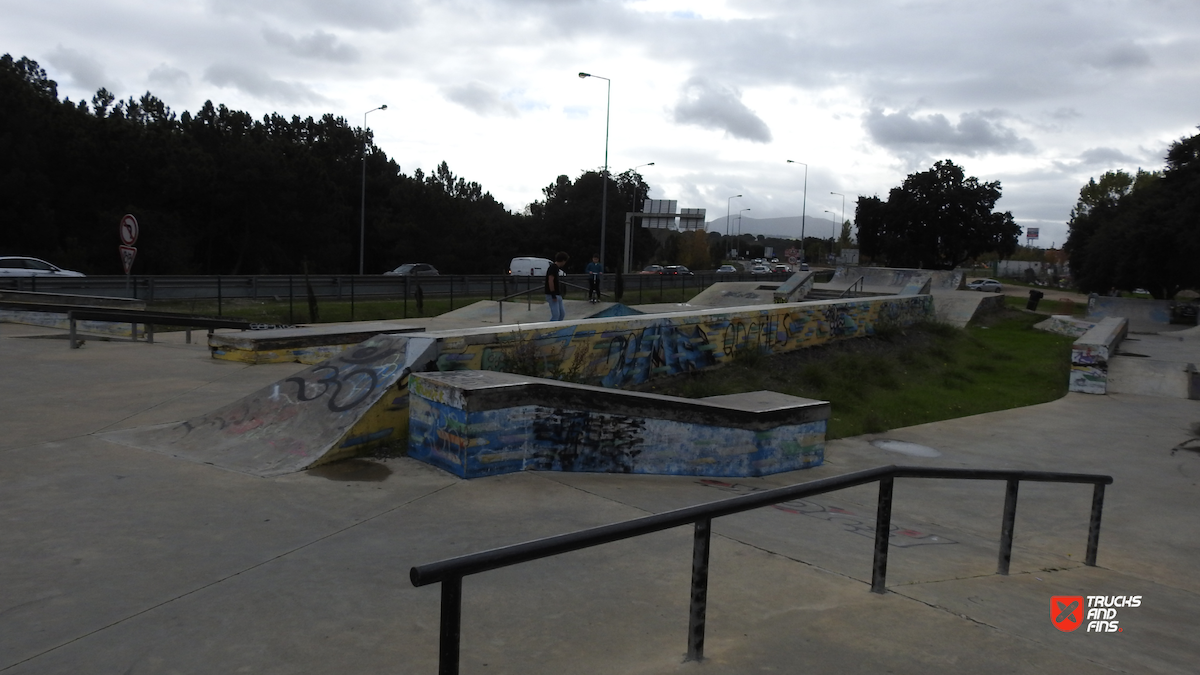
{"x":449,"y":573}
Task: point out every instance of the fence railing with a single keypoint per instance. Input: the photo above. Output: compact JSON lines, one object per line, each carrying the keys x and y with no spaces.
{"x":449,"y":573}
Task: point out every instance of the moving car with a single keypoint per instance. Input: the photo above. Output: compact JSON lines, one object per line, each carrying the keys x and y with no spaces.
{"x":676,"y":270}
{"x":760,"y":269}
{"x":782,"y":268}
{"x":22,"y":266}
{"x":985,"y":286}
{"x":726,"y":269}
{"x":413,"y":270}
{"x":653,"y":269}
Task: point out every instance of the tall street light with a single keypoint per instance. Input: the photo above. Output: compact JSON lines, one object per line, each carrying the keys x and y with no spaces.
{"x":604,"y":176}
{"x":629,"y":222}
{"x":843,"y":221}
{"x":729,"y":219}
{"x":832,"y":231}
{"x":633,"y":204}
{"x":803,"y":207}
{"x":362,"y":223}
{"x":740,"y":232}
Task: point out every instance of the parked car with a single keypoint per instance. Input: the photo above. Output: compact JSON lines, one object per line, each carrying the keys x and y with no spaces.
{"x":781,"y":268}
{"x":804,"y":267}
{"x":529,"y":266}
{"x":727,"y":269}
{"x":760,"y":269}
{"x":413,"y":270}
{"x":676,"y":270}
{"x":22,"y":266}
{"x":985,"y":286}
{"x":653,"y":269}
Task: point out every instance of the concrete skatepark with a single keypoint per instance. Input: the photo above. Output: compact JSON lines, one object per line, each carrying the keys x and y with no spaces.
{"x":122,"y":559}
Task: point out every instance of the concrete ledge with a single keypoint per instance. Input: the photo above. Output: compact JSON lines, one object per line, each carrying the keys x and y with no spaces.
{"x":1091,"y":352}
{"x":480,"y":423}
{"x":307,"y":344}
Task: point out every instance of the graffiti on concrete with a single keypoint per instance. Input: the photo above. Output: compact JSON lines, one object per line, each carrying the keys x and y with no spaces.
{"x":849,"y":521}
{"x":631,"y":350}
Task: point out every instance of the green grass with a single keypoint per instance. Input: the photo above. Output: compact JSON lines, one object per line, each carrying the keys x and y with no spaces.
{"x":927,"y":373}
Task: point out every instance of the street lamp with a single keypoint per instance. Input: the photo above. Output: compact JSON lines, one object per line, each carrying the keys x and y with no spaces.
{"x":740,"y":231}
{"x":843,"y":221}
{"x":629,"y":220}
{"x":604,"y":175}
{"x":832,"y":231}
{"x":362,"y":223}
{"x":728,"y":218}
{"x":803,"y":207}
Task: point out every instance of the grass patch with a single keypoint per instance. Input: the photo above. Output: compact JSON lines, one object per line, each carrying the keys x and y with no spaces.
{"x":926,"y":373}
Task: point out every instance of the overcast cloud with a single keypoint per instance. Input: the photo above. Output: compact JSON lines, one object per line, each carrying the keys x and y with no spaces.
{"x":1038,"y":94}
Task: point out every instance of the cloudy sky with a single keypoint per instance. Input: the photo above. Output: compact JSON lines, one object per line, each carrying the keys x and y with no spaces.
{"x":1038,"y":94}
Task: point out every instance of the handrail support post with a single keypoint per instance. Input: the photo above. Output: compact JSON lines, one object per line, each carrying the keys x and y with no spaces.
{"x":701,"y":545}
{"x":451,"y":626}
{"x":883,"y":527}
{"x":1094,"y":525}
{"x":1006,"y":526}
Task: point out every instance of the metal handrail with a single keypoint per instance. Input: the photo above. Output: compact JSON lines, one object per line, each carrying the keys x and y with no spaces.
{"x":859,"y":284}
{"x":450,"y":572}
{"x":530,"y":291}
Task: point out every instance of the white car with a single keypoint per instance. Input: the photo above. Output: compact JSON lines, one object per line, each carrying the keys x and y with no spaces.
{"x":985,"y":286}
{"x":760,"y":269}
{"x":21,"y":266}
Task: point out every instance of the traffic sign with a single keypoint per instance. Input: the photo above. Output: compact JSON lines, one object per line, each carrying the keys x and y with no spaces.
{"x":128,"y":253}
{"x":128,"y":230}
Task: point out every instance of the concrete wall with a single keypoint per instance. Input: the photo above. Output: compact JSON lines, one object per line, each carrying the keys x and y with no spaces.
{"x":1090,"y":355}
{"x":632,"y":350}
{"x":456,"y":426}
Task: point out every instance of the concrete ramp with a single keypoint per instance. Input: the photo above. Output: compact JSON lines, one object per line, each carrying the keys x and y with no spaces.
{"x":488,"y":312}
{"x":957,"y":308}
{"x":736,"y":294}
{"x":338,"y":408}
{"x":893,"y":280}
{"x":1144,"y":315}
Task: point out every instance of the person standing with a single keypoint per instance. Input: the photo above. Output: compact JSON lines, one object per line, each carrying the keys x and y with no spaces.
{"x":594,"y":270}
{"x":554,"y":286}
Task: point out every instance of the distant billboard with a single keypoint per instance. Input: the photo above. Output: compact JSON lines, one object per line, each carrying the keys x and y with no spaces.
{"x":1031,"y":233}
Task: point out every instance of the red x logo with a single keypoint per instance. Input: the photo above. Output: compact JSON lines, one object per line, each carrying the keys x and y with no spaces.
{"x":1066,"y":612}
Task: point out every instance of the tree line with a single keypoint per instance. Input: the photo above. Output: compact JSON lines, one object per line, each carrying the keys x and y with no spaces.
{"x":219,"y":192}
{"x":1140,"y":230}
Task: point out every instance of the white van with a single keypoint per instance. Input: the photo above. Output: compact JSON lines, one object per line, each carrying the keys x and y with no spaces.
{"x":529,"y":267}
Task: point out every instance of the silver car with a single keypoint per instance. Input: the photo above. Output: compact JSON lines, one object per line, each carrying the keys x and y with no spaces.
{"x":22,"y":266}
{"x":985,"y":286}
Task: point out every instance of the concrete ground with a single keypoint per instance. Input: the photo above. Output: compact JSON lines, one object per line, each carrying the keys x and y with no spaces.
{"x":115,"y":559}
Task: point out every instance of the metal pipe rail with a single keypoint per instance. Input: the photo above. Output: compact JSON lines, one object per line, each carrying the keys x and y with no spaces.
{"x":450,"y":572}
{"x":856,"y":285}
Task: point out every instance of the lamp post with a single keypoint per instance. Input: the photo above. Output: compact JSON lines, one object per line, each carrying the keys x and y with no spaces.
{"x":832,"y":232}
{"x":728,"y":219}
{"x":740,"y":229}
{"x":803,"y":207}
{"x":604,"y":174}
{"x":843,"y":220}
{"x":362,"y":223}
{"x":633,"y":204}
{"x":629,"y":221}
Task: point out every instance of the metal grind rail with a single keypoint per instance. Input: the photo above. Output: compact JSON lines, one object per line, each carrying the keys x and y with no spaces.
{"x":449,"y":573}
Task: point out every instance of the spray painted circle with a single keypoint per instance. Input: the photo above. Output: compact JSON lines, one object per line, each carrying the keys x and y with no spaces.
{"x":911,"y":449}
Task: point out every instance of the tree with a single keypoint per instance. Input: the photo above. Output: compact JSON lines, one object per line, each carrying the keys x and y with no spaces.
{"x":1140,"y":231}
{"x":936,"y":219}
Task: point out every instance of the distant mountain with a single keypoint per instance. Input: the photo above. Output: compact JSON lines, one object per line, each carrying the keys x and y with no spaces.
{"x":787,"y":227}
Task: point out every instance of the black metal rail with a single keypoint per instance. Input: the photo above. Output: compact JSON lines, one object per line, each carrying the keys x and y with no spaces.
{"x":149,"y":320}
{"x":449,"y":573}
